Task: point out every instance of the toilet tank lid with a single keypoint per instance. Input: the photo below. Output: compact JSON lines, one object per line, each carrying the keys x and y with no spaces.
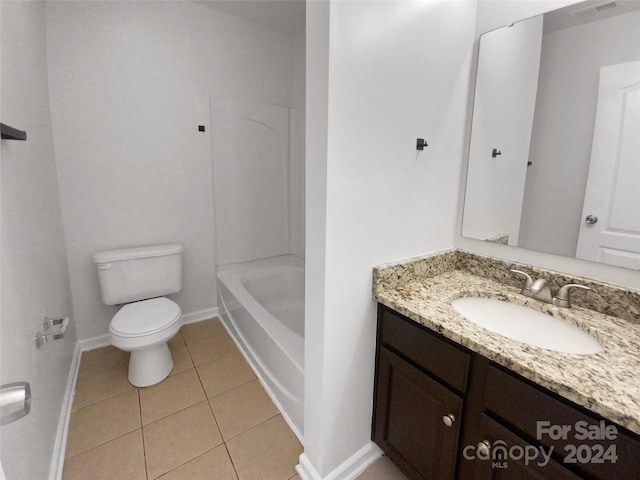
{"x":138,"y":252}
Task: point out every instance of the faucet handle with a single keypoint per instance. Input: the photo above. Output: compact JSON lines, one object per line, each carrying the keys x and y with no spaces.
{"x":528,"y":280}
{"x":562,"y":298}
{"x":538,"y":285}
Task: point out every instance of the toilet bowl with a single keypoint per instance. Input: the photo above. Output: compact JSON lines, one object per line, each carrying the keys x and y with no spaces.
{"x":136,"y":280}
{"x":144,"y":328}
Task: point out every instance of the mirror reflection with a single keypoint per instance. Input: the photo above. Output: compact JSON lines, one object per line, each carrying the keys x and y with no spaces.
{"x":554,"y":162}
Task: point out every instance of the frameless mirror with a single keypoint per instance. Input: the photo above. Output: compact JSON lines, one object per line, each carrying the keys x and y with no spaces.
{"x":554,"y":161}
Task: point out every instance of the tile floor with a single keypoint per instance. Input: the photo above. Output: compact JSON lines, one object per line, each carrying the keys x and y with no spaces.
{"x":210,"y":419}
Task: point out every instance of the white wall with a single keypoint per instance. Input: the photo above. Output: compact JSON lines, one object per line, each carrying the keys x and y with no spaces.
{"x":494,"y":14}
{"x":317,"y":108}
{"x":379,"y":75}
{"x":563,"y":126}
{"x":35,"y":279}
{"x":505,"y":99}
{"x":297,"y":159}
{"x":130,"y":83}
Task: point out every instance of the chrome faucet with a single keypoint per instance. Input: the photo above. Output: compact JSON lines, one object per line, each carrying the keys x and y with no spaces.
{"x":539,"y":290}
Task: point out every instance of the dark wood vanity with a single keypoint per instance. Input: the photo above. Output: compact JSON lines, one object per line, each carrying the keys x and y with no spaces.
{"x":439,"y":406}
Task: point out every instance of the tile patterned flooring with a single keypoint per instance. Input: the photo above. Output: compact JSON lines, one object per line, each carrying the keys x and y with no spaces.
{"x":210,"y":419}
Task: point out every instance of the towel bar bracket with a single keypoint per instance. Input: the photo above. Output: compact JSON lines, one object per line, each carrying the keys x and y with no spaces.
{"x":10,"y":133}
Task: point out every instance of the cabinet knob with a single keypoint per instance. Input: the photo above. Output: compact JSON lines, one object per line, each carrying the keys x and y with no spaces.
{"x":483,"y":448}
{"x":449,"y":419}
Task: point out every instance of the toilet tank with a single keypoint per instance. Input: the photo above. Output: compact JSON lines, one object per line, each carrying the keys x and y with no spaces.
{"x":132,"y":274}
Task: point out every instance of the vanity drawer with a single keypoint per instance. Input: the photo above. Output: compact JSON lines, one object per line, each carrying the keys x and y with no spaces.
{"x":498,"y":464}
{"x":518,"y":403}
{"x":427,"y":350}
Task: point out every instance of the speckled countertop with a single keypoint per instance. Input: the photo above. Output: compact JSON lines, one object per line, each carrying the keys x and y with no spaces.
{"x":607,"y":382}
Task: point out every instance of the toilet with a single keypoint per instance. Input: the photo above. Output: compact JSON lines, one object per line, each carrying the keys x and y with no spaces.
{"x":136,"y":280}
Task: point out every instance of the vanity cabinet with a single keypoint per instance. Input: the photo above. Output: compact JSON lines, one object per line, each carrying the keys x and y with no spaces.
{"x":420,"y":383}
{"x":438,"y":407}
{"x":409,"y":425}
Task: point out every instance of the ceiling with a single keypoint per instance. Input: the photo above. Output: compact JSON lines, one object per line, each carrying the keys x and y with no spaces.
{"x":588,"y":11}
{"x":287,"y":16}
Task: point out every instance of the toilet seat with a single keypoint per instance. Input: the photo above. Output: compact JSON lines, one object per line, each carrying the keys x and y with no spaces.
{"x":148,"y":317}
{"x":144,"y":328}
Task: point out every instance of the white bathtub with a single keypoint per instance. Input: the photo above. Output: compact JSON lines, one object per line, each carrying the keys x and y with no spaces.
{"x":262,"y":304}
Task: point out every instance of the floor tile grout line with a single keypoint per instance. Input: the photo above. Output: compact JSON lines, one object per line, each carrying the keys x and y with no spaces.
{"x":102,"y":369}
{"x":234,"y":352}
{"x":253,"y":426}
{"x":199,"y":379}
{"x":228,"y":354}
{"x":102,"y":444}
{"x":216,"y":421}
{"x":229,"y":389}
{"x":144,"y":448}
{"x":177,"y":411}
{"x":101,"y":400}
{"x":85,"y":353}
{"x":203,"y":453}
{"x":188,"y":461}
{"x":181,"y":409}
{"x":199,"y":338}
{"x":235,"y":470}
{"x":247,"y":430}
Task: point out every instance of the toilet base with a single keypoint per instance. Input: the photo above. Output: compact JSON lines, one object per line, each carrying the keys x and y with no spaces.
{"x":150,"y":365}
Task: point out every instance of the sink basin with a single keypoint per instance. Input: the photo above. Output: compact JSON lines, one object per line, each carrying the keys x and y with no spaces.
{"x":526,"y":325}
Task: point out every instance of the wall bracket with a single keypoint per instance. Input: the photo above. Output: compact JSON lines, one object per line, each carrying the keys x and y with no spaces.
{"x":10,"y":133}
{"x":54,"y":329}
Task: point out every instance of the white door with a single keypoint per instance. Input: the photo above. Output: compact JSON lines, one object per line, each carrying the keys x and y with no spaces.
{"x":610,"y":228}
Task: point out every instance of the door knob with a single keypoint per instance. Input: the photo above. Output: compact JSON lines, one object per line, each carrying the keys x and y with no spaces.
{"x":591,"y":219}
{"x":15,"y":401}
{"x":484,"y":448}
{"x":449,"y":419}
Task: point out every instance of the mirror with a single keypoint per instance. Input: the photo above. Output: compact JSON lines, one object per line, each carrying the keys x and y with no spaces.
{"x":554,"y":161}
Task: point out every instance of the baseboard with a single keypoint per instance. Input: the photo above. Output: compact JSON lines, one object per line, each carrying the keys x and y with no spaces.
{"x":60,"y":444}
{"x":305,"y":470}
{"x":103,"y":340}
{"x":200,"y":315}
{"x":350,"y":469}
{"x":94,"y":342}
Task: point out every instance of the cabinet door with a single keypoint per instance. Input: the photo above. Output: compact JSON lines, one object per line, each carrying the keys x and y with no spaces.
{"x":507,"y":457}
{"x":519,"y":403}
{"x":409,"y":419}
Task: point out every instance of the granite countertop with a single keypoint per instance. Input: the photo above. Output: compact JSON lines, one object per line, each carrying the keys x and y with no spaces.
{"x":607,"y":382}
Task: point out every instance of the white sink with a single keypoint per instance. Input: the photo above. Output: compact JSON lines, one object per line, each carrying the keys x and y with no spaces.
{"x":526,"y":325}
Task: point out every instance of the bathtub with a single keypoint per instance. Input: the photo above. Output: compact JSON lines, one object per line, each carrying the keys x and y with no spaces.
{"x":262,"y":305}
